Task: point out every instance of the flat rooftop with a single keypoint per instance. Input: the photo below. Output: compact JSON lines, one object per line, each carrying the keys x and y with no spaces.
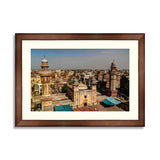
{"x":102,"y":97}
{"x":62,"y":102}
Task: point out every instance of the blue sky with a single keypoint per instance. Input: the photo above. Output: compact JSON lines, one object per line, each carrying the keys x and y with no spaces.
{"x":80,"y":58}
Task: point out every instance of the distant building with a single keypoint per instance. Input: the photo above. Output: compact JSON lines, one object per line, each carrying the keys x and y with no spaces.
{"x":36,"y":79}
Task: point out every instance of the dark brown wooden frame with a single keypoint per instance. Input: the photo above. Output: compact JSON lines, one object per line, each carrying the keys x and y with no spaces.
{"x":84,"y":123}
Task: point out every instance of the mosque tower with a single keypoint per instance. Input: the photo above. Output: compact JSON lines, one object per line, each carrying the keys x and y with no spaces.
{"x":113,"y":79}
{"x":76,"y":92}
{"x":94,"y":91}
{"x":45,"y":74}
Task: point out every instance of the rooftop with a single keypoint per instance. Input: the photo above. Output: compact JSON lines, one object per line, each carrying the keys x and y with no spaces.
{"x":62,"y":102}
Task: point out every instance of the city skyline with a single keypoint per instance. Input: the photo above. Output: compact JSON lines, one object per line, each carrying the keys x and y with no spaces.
{"x":80,"y":58}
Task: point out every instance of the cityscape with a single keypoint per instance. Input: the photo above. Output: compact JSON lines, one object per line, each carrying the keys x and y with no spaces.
{"x":80,"y":88}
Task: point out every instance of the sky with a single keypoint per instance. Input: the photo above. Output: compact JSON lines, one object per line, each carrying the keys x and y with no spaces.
{"x":80,"y":58}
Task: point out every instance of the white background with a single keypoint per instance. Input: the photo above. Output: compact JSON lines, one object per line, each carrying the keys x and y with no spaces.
{"x":79,"y":16}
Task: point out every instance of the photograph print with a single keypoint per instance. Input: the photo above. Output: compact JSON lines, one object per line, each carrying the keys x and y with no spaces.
{"x":79,"y":80}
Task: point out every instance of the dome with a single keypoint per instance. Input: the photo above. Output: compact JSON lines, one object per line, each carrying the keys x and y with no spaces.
{"x":113,"y":65}
{"x":44,"y":60}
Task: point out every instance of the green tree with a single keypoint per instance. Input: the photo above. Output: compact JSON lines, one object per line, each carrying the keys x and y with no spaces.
{"x":70,"y":81}
{"x":64,"y":89}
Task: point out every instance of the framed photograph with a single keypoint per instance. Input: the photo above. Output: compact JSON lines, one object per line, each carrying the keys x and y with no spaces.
{"x":88,"y":80}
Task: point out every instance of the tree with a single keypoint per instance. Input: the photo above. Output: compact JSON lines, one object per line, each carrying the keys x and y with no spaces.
{"x":64,"y":89}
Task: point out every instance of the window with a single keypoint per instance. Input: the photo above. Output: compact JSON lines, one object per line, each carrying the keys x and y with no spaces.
{"x":85,"y":96}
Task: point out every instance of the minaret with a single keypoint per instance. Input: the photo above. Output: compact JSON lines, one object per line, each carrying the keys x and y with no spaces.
{"x":113,"y":75}
{"x":76,"y":93}
{"x":94,"y":84}
{"x":45,"y":74}
{"x":94,"y":91}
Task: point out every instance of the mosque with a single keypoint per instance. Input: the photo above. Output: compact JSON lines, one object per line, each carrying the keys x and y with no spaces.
{"x":81,"y":95}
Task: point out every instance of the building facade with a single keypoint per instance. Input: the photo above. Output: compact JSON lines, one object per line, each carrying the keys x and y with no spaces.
{"x":81,"y":95}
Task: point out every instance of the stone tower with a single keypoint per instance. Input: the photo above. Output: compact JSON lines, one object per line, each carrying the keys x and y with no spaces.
{"x":113,"y":79}
{"x":94,"y":91}
{"x":45,"y":74}
{"x":76,"y":93}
